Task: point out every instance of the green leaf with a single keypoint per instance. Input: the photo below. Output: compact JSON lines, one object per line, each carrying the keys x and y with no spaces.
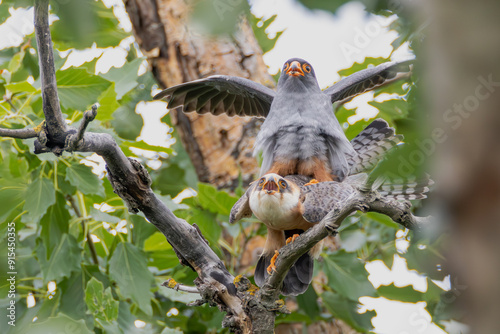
{"x":73,"y":297}
{"x":352,"y":240}
{"x":308,"y":302}
{"x":347,"y":275}
{"x":217,"y":17}
{"x":214,"y":200}
{"x":12,"y":195}
{"x":62,"y":261}
{"x":40,"y":194}
{"x":126,"y":145}
{"x":170,"y":180}
{"x":404,"y":294}
{"x":126,"y":122}
{"x":79,"y":89}
{"x":391,"y":110}
{"x":100,"y":302}
{"x":107,"y":104}
{"x":23,"y":87}
{"x":356,"y":67}
{"x":157,"y":242}
{"x":61,"y":323}
{"x":345,"y":309}
{"x":331,"y":6}
{"x":127,"y":267}
{"x":168,"y":330}
{"x":55,"y":223}
{"x":84,"y":180}
{"x":100,"y":216}
{"x":259,"y":26}
{"x":124,"y":77}
{"x":141,"y":230}
{"x":85,"y":22}
{"x":208,"y":225}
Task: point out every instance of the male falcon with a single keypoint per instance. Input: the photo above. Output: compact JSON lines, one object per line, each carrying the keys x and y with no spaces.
{"x":300,"y":134}
{"x":289,"y":205}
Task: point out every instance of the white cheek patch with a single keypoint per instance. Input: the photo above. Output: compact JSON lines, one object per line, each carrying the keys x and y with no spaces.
{"x":275,"y":210}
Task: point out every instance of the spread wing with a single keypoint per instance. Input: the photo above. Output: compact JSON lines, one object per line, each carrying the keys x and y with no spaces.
{"x":241,"y":208}
{"x":220,"y":94}
{"x":368,"y":79}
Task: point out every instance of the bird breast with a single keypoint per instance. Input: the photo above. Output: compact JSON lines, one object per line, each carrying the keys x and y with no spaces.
{"x":279,"y":211}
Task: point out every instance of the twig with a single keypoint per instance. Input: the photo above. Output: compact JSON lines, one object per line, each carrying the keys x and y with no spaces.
{"x":93,"y":252}
{"x":18,"y":133}
{"x":74,"y":139}
{"x":172,"y":284}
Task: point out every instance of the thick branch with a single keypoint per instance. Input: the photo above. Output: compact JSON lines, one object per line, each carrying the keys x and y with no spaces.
{"x":131,"y":181}
{"x":51,"y":108}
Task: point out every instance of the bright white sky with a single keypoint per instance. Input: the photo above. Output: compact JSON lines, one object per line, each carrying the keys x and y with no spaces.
{"x":330,"y":43}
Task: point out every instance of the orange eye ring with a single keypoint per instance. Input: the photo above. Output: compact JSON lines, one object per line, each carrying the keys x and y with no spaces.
{"x":283,"y":184}
{"x":287,"y":65}
{"x":261,"y":181}
{"x":307,"y":68}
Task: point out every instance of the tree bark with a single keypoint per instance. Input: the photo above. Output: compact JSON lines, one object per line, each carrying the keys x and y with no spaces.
{"x":220,"y":147}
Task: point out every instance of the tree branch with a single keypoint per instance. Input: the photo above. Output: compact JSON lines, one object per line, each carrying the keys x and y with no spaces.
{"x":51,"y":108}
{"x":18,"y":133}
{"x":132,"y":183}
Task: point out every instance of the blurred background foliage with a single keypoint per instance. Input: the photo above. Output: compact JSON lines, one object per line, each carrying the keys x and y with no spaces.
{"x":83,"y":261}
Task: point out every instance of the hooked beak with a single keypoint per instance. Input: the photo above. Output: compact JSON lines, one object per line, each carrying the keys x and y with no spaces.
{"x":294,"y":70}
{"x":271,"y":187}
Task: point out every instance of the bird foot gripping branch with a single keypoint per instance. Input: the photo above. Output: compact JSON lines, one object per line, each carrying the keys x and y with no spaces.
{"x":272,"y":267}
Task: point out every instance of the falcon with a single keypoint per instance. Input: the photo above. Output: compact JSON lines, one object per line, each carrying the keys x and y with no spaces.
{"x":290,"y":205}
{"x":300,"y":134}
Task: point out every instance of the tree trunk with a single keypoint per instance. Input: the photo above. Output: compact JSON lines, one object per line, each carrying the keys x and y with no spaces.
{"x":220,"y":147}
{"x":463,"y":77}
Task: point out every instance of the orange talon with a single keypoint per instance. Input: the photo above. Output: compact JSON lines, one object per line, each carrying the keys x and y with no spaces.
{"x":292,"y":238}
{"x":272,"y":266}
{"x":313,"y":181}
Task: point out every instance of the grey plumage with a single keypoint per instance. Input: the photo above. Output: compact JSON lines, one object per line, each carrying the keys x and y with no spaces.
{"x":300,"y":124}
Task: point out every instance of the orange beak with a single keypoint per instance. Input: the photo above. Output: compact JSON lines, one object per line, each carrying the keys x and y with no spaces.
{"x":295,"y":70}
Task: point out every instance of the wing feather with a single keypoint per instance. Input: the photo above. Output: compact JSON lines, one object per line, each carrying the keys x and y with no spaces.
{"x":240,"y":96}
{"x":368,"y":79}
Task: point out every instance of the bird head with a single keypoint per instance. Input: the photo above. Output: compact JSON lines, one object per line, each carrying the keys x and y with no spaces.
{"x":275,"y":184}
{"x":297,"y":71}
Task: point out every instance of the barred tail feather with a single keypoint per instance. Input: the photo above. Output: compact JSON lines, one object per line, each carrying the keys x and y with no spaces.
{"x":410,"y":188}
{"x":371,"y":144}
